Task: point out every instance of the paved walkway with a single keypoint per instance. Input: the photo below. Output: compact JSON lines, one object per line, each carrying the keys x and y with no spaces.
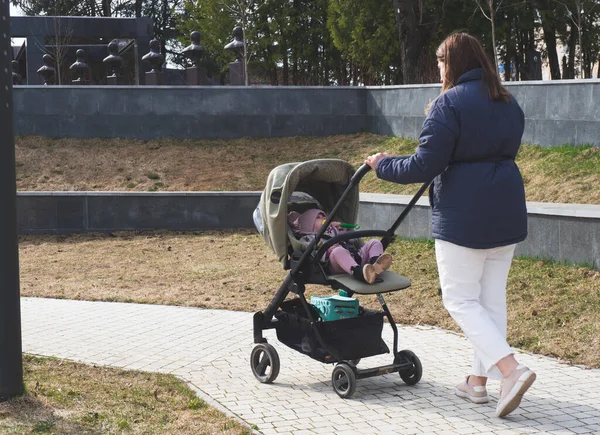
{"x":210,"y":349}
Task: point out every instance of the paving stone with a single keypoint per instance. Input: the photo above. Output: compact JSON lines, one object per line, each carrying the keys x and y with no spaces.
{"x":583,"y":429}
{"x":210,"y":350}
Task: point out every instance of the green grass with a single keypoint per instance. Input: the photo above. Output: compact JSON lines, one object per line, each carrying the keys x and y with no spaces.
{"x":63,"y":397}
{"x":196,"y":403}
{"x":152,"y":175}
{"x":45,"y":426}
{"x":566,"y":159}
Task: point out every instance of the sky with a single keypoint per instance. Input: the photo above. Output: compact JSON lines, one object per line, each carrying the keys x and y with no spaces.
{"x":15,"y":11}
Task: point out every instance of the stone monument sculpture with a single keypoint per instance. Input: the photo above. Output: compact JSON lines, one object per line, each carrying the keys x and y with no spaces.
{"x":238,"y":47}
{"x":47,"y":71}
{"x":16,"y":77}
{"x":114,"y":62}
{"x":81,"y":69}
{"x":155,"y":59}
{"x":195,"y":75}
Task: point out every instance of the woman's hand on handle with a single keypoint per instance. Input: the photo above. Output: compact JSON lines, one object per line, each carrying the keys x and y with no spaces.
{"x":373,"y":159}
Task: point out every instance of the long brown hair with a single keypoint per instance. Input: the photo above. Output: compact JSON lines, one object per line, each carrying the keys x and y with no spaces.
{"x":462,"y":52}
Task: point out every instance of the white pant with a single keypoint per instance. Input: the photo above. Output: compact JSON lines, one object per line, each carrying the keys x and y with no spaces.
{"x":474,"y":293}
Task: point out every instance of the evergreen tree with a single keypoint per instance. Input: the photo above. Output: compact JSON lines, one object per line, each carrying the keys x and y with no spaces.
{"x":365,"y":34}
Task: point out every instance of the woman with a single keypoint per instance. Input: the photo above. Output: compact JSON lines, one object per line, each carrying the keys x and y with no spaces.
{"x":468,"y":142}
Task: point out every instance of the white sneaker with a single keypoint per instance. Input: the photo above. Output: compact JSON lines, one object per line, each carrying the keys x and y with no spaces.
{"x":476,"y":394}
{"x":512,"y":390}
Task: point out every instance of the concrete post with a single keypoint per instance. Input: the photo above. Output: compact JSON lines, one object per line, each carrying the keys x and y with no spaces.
{"x":11,"y":364}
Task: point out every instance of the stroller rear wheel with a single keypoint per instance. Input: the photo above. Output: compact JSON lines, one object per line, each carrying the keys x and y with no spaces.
{"x":412,"y":374}
{"x":343,"y":380}
{"x":264,"y":362}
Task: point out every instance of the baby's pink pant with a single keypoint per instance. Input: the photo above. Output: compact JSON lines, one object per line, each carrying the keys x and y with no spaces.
{"x":340,"y":259}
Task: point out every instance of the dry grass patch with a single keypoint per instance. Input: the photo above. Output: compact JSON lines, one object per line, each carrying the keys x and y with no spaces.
{"x":553,"y":309}
{"x":561,"y":174}
{"x":564,"y":174}
{"x":212,"y":269}
{"x":168,"y":164}
{"x":63,"y":397}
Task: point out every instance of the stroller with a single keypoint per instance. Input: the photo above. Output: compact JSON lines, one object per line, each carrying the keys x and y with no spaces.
{"x":330,"y":185}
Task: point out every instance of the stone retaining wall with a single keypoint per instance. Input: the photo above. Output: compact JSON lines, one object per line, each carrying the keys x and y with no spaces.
{"x":556,"y":112}
{"x":561,"y":232}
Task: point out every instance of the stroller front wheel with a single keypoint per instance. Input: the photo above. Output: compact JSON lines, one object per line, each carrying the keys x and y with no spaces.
{"x":411,"y":375}
{"x":343,"y":380}
{"x":264,"y":362}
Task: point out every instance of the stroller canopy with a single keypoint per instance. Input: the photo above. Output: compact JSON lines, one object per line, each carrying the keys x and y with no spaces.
{"x":323,"y":179}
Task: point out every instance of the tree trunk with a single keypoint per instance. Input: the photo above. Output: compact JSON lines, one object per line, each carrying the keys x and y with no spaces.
{"x":295,"y":71}
{"x":415,"y":38}
{"x":286,"y":67}
{"x":491,"y":4}
{"x":106,"y":12}
{"x":271,"y":65}
{"x":572,"y":49}
{"x":579,"y":34}
{"x":550,"y":39}
{"x":341,"y":72}
{"x":521,"y":73}
{"x":507,"y":67}
{"x":588,"y":65}
{"x":549,"y":28}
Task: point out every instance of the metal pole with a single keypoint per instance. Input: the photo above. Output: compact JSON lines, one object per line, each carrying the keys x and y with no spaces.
{"x":11,"y":364}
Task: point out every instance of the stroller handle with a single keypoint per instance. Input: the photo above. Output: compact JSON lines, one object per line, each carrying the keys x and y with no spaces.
{"x":360,"y":172}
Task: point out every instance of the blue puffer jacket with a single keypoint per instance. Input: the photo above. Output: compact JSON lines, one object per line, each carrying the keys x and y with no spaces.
{"x":469,"y":143}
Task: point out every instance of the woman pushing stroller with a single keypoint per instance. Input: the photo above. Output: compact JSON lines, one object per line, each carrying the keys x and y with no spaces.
{"x":364,"y":262}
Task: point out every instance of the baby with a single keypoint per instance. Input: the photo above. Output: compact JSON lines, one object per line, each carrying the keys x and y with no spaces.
{"x":364,"y":263}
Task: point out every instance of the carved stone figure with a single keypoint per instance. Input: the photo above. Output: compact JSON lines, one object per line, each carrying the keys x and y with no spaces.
{"x":194,"y":51}
{"x":237,"y":45}
{"x":236,"y":74}
{"x":80,"y":68}
{"x":16,"y":77}
{"x":113,"y":60}
{"x":47,"y":71}
{"x":154,"y":57}
{"x":196,"y":75}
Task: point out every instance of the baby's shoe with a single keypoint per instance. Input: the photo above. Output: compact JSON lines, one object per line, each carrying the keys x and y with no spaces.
{"x":381,"y":263}
{"x":366,"y":273}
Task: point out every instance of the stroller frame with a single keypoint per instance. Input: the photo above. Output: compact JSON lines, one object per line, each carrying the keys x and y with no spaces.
{"x":307,"y":269}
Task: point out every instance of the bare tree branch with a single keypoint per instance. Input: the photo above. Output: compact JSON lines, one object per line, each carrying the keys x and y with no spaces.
{"x":482,"y":11}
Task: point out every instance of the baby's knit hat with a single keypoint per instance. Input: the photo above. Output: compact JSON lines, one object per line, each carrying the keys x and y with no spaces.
{"x":306,"y":221}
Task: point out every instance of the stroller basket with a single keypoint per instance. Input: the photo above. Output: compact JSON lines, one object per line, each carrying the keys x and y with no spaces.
{"x":349,"y":339}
